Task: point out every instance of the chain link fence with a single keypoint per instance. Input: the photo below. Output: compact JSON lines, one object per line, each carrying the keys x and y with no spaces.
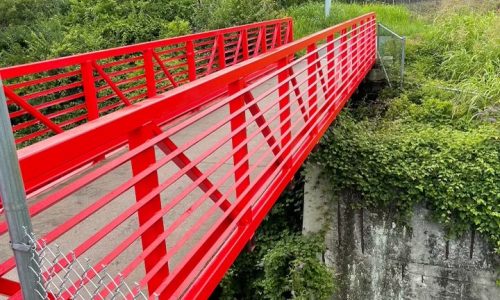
{"x":391,"y":49}
{"x":64,"y":276}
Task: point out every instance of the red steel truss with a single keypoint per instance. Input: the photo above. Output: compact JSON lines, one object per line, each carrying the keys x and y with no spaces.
{"x":202,"y":167}
{"x":49,"y":97}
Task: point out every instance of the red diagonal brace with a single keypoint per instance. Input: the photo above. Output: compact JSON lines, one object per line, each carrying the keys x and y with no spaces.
{"x":110,"y":82}
{"x":244,"y":41}
{"x":263,"y":41}
{"x":8,"y":287}
{"x":164,"y":69}
{"x":257,"y":44}
{"x":181,"y":160}
{"x":30,"y":109}
{"x":275,"y":36}
{"x":296,"y":90}
{"x":212,"y":55}
{"x":320,"y":73}
{"x":261,"y":122}
{"x":240,"y":156}
{"x":238,"y":46}
{"x":287,"y":33}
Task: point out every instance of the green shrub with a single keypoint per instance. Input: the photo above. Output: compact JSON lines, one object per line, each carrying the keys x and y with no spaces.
{"x":283,"y":264}
{"x":292,"y":270}
{"x":41,"y":29}
{"x":213,"y":14}
{"x":392,"y":164}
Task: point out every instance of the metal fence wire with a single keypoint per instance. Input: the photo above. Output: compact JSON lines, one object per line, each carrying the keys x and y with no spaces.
{"x":391,"y":55}
{"x":64,"y":276}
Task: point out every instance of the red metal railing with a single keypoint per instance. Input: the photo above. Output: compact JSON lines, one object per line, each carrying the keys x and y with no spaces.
{"x":199,"y":174}
{"x":49,"y":97}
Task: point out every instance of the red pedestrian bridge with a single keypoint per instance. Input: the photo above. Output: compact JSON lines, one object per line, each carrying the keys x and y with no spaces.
{"x":158,"y":161}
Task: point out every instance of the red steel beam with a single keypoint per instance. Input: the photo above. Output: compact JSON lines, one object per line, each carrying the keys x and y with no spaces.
{"x":32,"y":68}
{"x":272,"y":162}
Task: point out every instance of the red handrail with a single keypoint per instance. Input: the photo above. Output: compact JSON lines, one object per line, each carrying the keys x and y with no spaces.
{"x":49,"y":97}
{"x":234,"y":157}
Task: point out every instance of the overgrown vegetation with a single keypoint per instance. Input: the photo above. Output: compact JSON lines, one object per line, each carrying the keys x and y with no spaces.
{"x":310,"y":18}
{"x":32,"y":30}
{"x":438,"y":141}
{"x":284,"y":264}
{"x":40,"y":29}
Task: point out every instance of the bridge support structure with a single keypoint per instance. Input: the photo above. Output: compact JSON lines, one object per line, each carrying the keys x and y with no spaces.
{"x":192,"y":176}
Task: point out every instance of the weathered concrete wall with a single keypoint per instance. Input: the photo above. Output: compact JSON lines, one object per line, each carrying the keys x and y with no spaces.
{"x":375,"y":258}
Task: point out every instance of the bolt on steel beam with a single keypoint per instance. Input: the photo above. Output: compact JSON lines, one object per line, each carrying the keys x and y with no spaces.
{"x":16,"y":210}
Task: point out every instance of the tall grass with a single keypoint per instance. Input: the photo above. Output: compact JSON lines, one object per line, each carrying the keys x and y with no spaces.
{"x":310,"y":17}
{"x":462,"y":51}
{"x":456,"y":50}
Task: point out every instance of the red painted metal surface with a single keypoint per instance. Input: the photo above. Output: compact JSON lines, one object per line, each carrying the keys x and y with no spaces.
{"x":199,"y":174}
{"x":49,"y":97}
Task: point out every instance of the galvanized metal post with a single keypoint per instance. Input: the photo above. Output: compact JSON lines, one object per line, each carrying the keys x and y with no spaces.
{"x":15,"y":208}
{"x":403,"y":54}
{"x":328,"y":7}
{"x":377,"y":45}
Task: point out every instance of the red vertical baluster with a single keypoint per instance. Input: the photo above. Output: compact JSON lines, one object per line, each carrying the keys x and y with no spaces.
{"x":222,"y":51}
{"x":290,"y":32}
{"x":90,"y":94}
{"x":89,"y":90}
{"x":343,"y":60}
{"x":244,"y":41}
{"x":240,"y":156}
{"x":374,"y":38}
{"x":368,"y":39}
{"x":354,"y":47}
{"x":142,"y":188}
{"x":362,"y":42}
{"x":239,"y":137}
{"x":330,"y":64}
{"x":149,"y":72}
{"x":263,"y":40}
{"x":278,"y":34}
{"x":312,"y":85}
{"x":284,"y":105}
{"x":191,"y":60}
{"x":275,"y":37}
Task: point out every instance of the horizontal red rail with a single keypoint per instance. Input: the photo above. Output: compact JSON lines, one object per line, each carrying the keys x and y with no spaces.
{"x":49,"y":97}
{"x":174,"y":209}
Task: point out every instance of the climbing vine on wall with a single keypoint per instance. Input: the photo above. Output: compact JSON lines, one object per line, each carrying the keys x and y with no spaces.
{"x":455,"y":173}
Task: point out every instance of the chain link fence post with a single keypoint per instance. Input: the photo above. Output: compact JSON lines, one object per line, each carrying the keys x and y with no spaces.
{"x":328,"y":7}
{"x":15,"y":208}
{"x":391,"y":52}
